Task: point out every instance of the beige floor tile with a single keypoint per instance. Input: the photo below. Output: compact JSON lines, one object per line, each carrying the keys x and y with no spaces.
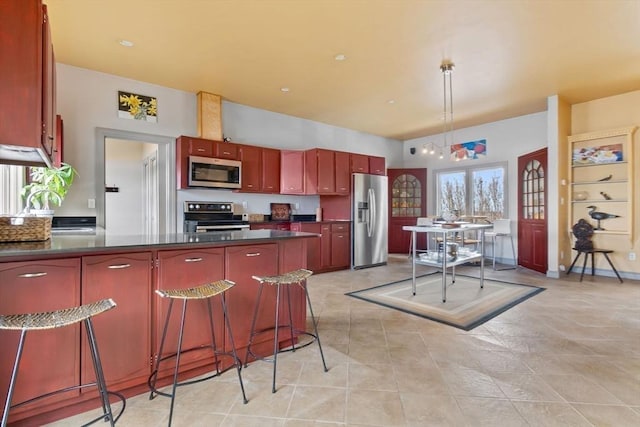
{"x":251,"y":421}
{"x":551,"y":414}
{"x":318,"y":403}
{"x":372,"y":377}
{"x":469,"y":382}
{"x":490,"y":412}
{"x":525,"y":387}
{"x":577,"y":388}
{"x":374,"y":408}
{"x":609,"y":416}
{"x":431,"y":410}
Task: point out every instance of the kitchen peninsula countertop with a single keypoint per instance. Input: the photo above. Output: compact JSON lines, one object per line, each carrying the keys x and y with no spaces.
{"x":103,"y":241}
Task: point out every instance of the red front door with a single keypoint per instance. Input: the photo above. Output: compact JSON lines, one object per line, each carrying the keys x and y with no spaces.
{"x":532,"y":210}
{"x":407,"y":202}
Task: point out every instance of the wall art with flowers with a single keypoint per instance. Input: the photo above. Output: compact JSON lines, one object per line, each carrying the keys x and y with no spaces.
{"x":137,"y":107}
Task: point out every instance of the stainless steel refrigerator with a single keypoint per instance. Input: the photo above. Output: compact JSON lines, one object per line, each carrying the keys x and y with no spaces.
{"x":369,"y":245}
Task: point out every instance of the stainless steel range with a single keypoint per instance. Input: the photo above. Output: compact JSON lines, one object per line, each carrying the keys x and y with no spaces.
{"x":201,"y":217}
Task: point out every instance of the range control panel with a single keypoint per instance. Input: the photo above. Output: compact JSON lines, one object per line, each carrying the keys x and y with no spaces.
{"x":209,"y":207}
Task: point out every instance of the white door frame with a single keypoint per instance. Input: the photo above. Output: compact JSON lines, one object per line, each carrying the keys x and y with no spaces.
{"x":166,"y":174}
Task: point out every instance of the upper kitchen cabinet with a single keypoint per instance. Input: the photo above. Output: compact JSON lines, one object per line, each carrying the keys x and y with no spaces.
{"x":291,"y":172}
{"x":320,"y":171}
{"x":343,"y":174}
{"x":225,"y":150}
{"x":359,"y":163}
{"x":28,"y":85}
{"x":377,"y":165}
{"x":260,"y":169}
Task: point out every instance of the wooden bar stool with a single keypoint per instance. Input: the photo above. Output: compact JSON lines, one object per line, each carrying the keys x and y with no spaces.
{"x":204,"y":292}
{"x":297,"y":277}
{"x":57,"y":319}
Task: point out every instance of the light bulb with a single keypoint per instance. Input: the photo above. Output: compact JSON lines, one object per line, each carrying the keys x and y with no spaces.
{"x":441,"y":155}
{"x":424,"y":149}
{"x":432,"y":150}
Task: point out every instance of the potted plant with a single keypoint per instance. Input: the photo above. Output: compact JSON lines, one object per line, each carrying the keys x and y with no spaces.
{"x":47,"y":188}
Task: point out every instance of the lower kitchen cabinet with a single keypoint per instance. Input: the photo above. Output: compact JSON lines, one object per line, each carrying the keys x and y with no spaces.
{"x":123,"y":333}
{"x":50,"y":359}
{"x":332,"y":250}
{"x":243,"y":262}
{"x":340,"y":245}
{"x":179,"y":269}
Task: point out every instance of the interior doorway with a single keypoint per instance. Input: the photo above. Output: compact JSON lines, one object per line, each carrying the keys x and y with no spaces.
{"x":135,"y":182}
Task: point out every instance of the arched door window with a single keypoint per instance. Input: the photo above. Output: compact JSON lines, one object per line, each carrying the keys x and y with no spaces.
{"x":533,"y":190}
{"x":406,"y":196}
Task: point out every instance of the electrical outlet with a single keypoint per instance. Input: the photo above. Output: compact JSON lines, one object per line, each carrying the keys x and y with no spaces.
{"x":632,"y":256}
{"x":91,"y":203}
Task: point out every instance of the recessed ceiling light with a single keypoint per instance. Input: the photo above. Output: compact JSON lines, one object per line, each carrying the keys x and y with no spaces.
{"x":391,"y":101}
{"x":126,"y":43}
{"x":284,"y":89}
{"x":340,"y":57}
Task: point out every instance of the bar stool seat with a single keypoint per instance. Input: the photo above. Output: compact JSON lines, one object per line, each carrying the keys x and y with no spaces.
{"x":203,"y":292}
{"x":57,"y":319}
{"x":297,"y":277}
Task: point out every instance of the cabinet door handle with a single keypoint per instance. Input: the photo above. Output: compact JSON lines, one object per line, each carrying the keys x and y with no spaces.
{"x":30,"y":275}
{"x":119,"y":266}
{"x":253,"y":254}
{"x":226,"y":152}
{"x":193,"y":259}
{"x":200,"y":149}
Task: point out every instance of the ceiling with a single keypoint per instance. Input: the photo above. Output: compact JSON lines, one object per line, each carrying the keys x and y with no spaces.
{"x":509,"y":55}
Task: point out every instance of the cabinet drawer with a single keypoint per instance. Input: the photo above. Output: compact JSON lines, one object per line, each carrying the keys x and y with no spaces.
{"x":340,"y":228}
{"x":226,"y":150}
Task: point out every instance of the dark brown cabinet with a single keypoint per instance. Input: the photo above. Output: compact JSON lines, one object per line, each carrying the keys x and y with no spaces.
{"x":359,"y":163}
{"x":179,"y":269}
{"x":225,"y":150}
{"x":50,"y":359}
{"x":27,"y":85}
{"x":124,"y":333}
{"x":270,"y":170}
{"x":260,"y":169}
{"x":340,"y":245}
{"x":377,"y":165}
{"x":343,"y":174}
{"x":292,"y":171}
{"x":241,"y":263}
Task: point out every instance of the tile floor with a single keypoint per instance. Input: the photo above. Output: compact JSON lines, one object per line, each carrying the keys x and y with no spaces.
{"x":569,"y":356}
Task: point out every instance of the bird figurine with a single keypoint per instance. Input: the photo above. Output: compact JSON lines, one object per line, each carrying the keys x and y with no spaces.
{"x":605,"y":195}
{"x":598,"y":216}
{"x":606,"y":178}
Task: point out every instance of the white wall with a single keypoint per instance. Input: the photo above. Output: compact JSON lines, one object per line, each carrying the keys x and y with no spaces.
{"x":506,"y":141}
{"x":87,"y":100}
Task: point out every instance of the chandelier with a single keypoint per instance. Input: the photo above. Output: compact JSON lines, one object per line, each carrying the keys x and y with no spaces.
{"x":446,"y":67}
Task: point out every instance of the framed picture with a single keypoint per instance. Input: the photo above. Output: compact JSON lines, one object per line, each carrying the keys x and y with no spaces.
{"x":137,"y":107}
{"x":469,"y":150}
{"x":597,"y":155}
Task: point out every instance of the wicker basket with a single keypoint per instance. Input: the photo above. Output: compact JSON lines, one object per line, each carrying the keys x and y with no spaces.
{"x":24,"y":229}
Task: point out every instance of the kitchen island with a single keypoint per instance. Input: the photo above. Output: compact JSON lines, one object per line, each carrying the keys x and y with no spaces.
{"x":70,"y":270}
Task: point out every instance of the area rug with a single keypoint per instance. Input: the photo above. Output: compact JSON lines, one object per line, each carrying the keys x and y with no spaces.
{"x":467,"y":306}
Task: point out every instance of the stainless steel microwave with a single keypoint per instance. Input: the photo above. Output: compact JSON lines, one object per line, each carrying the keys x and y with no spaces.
{"x":215,"y":173}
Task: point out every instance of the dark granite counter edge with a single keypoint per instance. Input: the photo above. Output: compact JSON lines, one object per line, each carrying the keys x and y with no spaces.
{"x":61,"y":245}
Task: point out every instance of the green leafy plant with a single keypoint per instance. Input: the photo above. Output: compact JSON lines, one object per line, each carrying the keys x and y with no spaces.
{"x":48,"y":186}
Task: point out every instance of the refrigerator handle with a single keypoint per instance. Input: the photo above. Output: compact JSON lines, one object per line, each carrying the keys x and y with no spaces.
{"x":372,"y":212}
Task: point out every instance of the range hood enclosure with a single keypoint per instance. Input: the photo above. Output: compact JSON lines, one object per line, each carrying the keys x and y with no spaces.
{"x":209,"y":116}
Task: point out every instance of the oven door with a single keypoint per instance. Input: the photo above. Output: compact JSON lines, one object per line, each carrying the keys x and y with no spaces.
{"x":216,"y":173}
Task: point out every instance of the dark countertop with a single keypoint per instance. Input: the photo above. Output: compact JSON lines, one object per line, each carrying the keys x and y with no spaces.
{"x":103,"y":241}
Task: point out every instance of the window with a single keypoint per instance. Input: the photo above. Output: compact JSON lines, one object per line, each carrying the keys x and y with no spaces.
{"x":11,"y":182}
{"x":482,"y":189}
